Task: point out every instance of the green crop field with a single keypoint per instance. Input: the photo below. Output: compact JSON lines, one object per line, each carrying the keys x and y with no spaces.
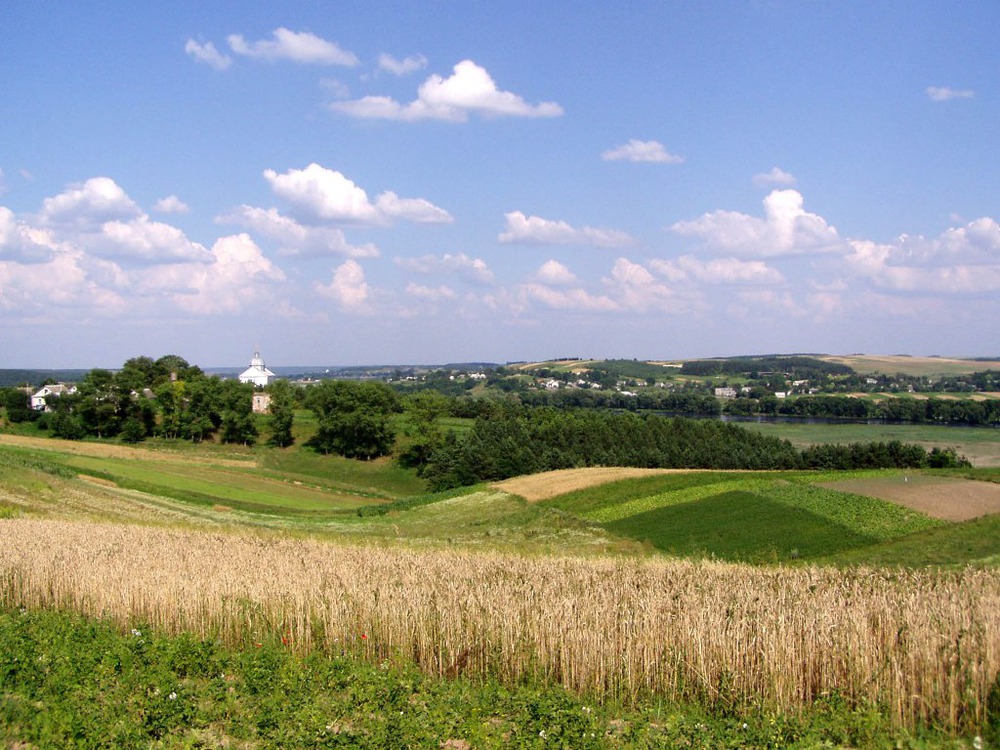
{"x":749,"y":517}
{"x":740,"y":526}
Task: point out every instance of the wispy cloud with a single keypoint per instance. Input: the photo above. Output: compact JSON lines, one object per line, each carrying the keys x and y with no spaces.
{"x":171,"y":205}
{"x":298,"y":46}
{"x":402,"y":67}
{"x":470,"y":270}
{"x":295,"y":239}
{"x":944,"y":93}
{"x":688,"y":268}
{"x":775,"y":177}
{"x":534,"y":230}
{"x":642,"y":151}
{"x":208,"y":54}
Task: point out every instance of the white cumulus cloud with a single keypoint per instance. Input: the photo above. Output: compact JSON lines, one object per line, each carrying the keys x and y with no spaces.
{"x":962,"y":260}
{"x":88,"y":205}
{"x":238,"y":277}
{"x":785,"y":230}
{"x":327,"y":194}
{"x":99,"y":217}
{"x":637,"y":290}
{"x":67,"y":284}
{"x":642,"y":151}
{"x":298,"y":46}
{"x":146,"y":241}
{"x":469,"y":89}
{"x":348,"y":287}
{"x":534,"y":230}
{"x":554,"y":273}
{"x":21,"y":242}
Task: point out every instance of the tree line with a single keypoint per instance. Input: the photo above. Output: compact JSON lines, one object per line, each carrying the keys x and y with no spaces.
{"x":930,"y":410}
{"x":514,"y":440}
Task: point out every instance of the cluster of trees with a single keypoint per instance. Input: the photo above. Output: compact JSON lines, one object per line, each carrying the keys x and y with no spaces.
{"x":515,"y":440}
{"x":893,"y":454}
{"x":166,"y":397}
{"x":355,"y":418}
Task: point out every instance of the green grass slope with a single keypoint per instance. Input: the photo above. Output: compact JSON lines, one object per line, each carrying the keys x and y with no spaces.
{"x":740,"y":526}
{"x":752,"y":517}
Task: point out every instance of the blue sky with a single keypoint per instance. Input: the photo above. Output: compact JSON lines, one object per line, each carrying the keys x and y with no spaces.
{"x":389,"y":183}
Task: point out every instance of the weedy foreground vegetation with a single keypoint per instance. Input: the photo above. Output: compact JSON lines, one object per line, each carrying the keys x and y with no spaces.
{"x":266,"y":598}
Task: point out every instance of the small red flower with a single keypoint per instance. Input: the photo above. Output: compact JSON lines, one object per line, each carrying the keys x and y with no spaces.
{"x":364,"y":637}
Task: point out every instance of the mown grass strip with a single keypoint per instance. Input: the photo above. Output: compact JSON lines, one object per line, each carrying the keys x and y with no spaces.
{"x":13,"y":461}
{"x":215,"y":485}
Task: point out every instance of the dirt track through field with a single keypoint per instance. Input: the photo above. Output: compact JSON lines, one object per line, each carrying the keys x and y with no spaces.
{"x":536,"y":487}
{"x":938,"y":497}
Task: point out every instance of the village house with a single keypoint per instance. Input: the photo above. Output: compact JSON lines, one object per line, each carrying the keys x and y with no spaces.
{"x":38,"y":400}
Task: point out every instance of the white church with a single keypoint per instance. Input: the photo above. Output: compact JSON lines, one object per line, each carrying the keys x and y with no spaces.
{"x":257,"y":373}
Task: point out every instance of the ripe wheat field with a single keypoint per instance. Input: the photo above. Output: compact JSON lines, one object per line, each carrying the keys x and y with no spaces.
{"x":923,"y":644}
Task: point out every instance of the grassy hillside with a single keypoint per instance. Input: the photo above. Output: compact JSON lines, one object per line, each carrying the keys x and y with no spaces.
{"x":273,"y":567}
